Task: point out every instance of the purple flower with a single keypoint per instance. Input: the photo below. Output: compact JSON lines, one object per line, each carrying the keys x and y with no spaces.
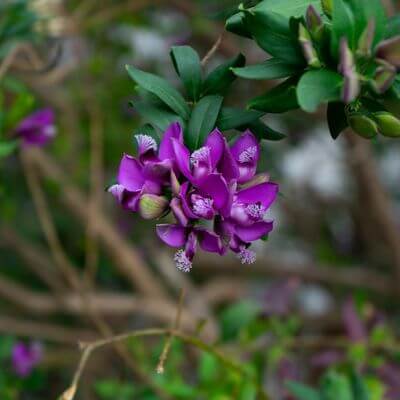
{"x":25,"y":357}
{"x":214,"y":186}
{"x":37,"y":129}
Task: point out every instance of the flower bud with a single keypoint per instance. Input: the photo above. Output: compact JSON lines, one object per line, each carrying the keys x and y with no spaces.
{"x":175,"y":185}
{"x":308,"y":49}
{"x":152,"y":206}
{"x":314,"y":22}
{"x":389,"y":50}
{"x":366,"y":39}
{"x":351,"y":87}
{"x":384,"y":77}
{"x":327,"y":6}
{"x":388,"y":124}
{"x":363,"y":125}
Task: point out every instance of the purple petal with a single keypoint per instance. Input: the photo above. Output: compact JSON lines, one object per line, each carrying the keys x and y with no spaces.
{"x":174,"y":131}
{"x":128,"y":200}
{"x":157,"y":171}
{"x":172,"y":235}
{"x":245,"y":142}
{"x":178,"y":211}
{"x":254,"y":232}
{"x":182,"y":158}
{"x":191,"y":245}
{"x":130,"y":173}
{"x":265,"y":193}
{"x":185,"y":202}
{"x":228,"y":166}
{"x":147,"y":146}
{"x":354,"y":325}
{"x":214,"y":185}
{"x":209,"y":241}
{"x":215,"y":142}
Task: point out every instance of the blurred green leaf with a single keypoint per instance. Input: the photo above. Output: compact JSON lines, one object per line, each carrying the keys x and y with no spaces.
{"x":187,"y":65}
{"x":230,"y":118}
{"x":6,"y":148}
{"x":336,"y":386}
{"x":360,"y":390}
{"x":111,"y":390}
{"x":263,"y":131}
{"x":236,"y":24}
{"x":337,"y":120}
{"x":303,"y":392}
{"x":288,"y":8}
{"x":343,"y":25}
{"x":393,"y":26}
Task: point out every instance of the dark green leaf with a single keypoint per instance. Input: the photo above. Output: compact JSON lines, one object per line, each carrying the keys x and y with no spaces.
{"x":263,"y":131}
{"x":272,"y":33}
{"x":337,"y":120}
{"x":343,"y":25}
{"x":158,"y":117}
{"x":221,"y":78}
{"x":302,"y":392}
{"x":360,"y":390}
{"x":236,"y":24}
{"x":280,"y":99}
{"x":317,"y":87}
{"x":202,"y":121}
{"x":187,"y":65}
{"x":270,"y":69}
{"x":162,"y":89}
{"x":288,"y":8}
{"x":230,"y":118}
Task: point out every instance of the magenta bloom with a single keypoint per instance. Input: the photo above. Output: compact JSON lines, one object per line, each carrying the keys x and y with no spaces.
{"x":218,"y":201}
{"x":25,"y":357}
{"x":37,"y":129}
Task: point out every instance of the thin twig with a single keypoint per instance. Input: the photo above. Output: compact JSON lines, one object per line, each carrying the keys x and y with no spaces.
{"x":212,"y":51}
{"x":168,"y":342}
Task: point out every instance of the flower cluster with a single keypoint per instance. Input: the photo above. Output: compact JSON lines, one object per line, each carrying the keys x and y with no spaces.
{"x":37,"y":129}
{"x":218,"y":201}
{"x":25,"y":357}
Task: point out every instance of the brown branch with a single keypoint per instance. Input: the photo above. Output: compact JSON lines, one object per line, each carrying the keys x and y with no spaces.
{"x":43,"y":331}
{"x":354,"y":277}
{"x":212,"y":51}
{"x":130,"y":264}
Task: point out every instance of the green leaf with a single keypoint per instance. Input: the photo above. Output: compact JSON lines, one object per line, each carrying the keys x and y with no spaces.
{"x":263,"y":131}
{"x":343,"y":25}
{"x":270,"y":69}
{"x":337,"y":120}
{"x":360,"y":390}
{"x":393,"y":26}
{"x":288,"y":8}
{"x":316,"y":87}
{"x":336,"y":386}
{"x":6,"y":148}
{"x":363,"y":11}
{"x":221,"y":78}
{"x":230,"y":118}
{"x":280,"y":99}
{"x":187,"y":65}
{"x":236,"y":25}
{"x":202,"y":121}
{"x":158,"y":117}
{"x":162,"y":89}
{"x":302,"y":392}
{"x":272,"y":33}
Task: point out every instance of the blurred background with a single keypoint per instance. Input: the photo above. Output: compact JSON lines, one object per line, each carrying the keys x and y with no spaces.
{"x":322,"y":298}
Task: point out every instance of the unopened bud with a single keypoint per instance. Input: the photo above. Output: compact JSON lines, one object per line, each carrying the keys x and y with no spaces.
{"x":308,"y":49}
{"x":363,"y":125}
{"x":314,"y":22}
{"x":351,"y":86}
{"x":366,"y":39}
{"x":327,"y":6}
{"x":389,"y":50}
{"x":152,"y":206}
{"x":175,"y":185}
{"x":388,"y":124}
{"x":384,"y":77}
